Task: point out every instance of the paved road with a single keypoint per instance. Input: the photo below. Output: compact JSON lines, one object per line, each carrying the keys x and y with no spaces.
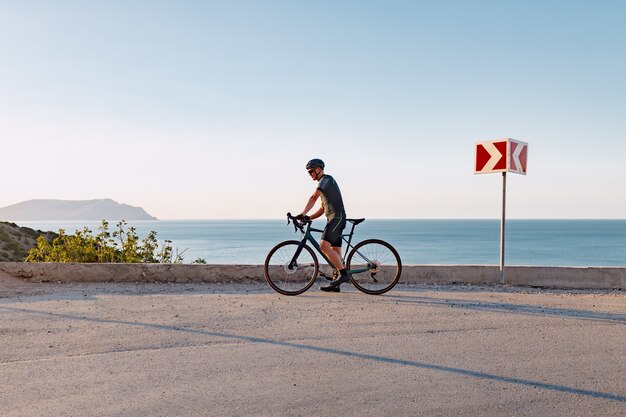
{"x":226,"y":350}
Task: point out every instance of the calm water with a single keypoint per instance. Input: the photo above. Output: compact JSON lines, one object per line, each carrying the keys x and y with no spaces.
{"x":529,"y":242}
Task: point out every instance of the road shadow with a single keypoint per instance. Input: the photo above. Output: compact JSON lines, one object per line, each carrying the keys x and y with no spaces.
{"x":509,"y":308}
{"x":90,"y":290}
{"x":337,"y":352}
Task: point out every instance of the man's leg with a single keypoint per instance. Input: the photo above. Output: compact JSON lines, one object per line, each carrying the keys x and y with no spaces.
{"x":331,"y":247}
{"x":333,"y":253}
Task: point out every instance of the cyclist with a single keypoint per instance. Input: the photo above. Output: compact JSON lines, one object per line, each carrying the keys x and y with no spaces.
{"x":332,"y":207}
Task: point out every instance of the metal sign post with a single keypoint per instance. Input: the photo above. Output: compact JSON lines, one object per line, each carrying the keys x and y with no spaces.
{"x":505,"y":155}
{"x":502,"y":228}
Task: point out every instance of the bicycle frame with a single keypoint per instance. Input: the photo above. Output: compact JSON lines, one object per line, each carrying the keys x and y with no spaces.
{"x":308,"y":237}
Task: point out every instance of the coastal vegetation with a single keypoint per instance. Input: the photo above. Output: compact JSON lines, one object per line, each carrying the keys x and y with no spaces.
{"x":121,"y":245}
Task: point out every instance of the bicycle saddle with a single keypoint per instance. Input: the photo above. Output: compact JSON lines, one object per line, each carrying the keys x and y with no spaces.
{"x":356,"y":221}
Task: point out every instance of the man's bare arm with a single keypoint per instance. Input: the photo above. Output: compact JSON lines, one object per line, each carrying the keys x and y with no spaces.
{"x":318,"y":213}
{"x":311,"y":202}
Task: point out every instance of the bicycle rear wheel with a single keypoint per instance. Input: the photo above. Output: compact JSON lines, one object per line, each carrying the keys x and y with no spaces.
{"x":379,"y":264}
{"x":290,"y":278}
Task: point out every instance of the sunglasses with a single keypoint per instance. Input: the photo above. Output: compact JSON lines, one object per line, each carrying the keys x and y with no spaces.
{"x":311,"y":171}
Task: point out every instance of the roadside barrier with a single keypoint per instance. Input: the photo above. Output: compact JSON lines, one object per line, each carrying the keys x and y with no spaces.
{"x":534,"y":276}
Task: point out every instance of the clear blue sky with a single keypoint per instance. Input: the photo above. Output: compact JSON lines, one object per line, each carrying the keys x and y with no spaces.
{"x":199,"y":109}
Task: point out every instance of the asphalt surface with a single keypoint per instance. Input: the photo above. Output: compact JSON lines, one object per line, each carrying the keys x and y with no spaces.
{"x":242,"y":350}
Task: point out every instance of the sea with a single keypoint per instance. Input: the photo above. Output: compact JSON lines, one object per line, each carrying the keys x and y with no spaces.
{"x":426,"y":242}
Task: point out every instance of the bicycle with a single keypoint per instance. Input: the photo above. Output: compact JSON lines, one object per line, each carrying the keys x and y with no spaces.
{"x":291,"y":267}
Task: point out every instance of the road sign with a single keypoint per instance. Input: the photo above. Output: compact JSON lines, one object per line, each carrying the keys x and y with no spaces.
{"x":504,"y":155}
{"x":518,"y":155}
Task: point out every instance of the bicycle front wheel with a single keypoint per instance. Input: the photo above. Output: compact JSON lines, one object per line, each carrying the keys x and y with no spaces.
{"x":375,"y":266}
{"x":287,"y":275}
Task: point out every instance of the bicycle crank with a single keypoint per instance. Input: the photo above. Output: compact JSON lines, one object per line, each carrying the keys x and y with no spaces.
{"x":329,"y":278}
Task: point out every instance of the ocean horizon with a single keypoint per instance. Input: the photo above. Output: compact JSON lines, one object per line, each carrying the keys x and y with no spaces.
{"x":543,"y":242}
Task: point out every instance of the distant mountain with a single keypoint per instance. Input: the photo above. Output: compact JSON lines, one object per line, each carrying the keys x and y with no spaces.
{"x":41,"y":210}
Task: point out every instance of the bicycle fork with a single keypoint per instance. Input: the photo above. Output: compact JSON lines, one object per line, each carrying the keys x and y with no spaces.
{"x":294,"y":261}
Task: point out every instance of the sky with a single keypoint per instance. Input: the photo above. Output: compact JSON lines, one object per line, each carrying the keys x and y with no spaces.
{"x":210,"y":110}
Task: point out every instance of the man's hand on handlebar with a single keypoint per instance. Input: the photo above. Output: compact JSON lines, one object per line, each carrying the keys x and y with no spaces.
{"x":298,"y":221}
{"x":301,"y":217}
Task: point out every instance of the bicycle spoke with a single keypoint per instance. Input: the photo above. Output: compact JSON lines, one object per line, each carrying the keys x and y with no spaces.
{"x":289,"y":276}
{"x":382,"y":263}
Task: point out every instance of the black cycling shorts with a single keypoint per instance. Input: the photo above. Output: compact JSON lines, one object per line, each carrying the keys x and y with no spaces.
{"x":333,"y":230}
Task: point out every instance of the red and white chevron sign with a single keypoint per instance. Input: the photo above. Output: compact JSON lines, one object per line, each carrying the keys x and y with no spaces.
{"x":504,"y":155}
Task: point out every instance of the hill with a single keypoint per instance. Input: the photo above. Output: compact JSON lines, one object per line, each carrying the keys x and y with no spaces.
{"x":43,"y":210}
{"x":16,"y":241}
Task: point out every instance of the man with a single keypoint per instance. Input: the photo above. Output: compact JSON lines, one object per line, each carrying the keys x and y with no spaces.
{"x":332,"y":207}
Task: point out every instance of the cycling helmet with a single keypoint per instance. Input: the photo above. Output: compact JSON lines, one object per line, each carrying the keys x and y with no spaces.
{"x":315,"y":163}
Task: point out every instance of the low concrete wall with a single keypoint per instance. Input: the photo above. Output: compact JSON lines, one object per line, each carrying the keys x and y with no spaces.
{"x":78,"y":272}
{"x":534,"y":276}
{"x":538,"y":276}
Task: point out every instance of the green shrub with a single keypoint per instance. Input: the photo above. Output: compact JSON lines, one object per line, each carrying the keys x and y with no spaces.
{"x":14,"y":247}
{"x":4,"y":236}
{"x":119,"y":246}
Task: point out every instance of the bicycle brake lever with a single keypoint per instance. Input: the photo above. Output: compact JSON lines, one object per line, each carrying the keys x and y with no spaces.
{"x":296,"y":224}
{"x":289,"y":218}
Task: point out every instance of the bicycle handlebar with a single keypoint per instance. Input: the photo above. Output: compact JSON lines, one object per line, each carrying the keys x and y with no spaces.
{"x":298,"y":221}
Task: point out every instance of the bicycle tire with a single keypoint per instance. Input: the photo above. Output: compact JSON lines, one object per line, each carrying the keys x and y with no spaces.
{"x":288,"y":281}
{"x":383,"y":263}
